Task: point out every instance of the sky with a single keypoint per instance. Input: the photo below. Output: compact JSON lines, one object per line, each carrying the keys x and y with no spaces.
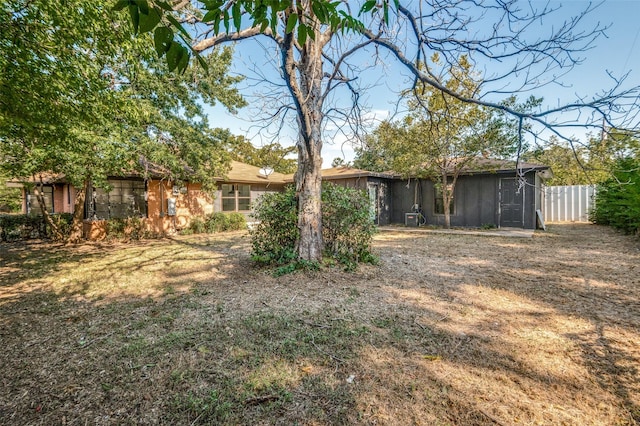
{"x":618,"y":53}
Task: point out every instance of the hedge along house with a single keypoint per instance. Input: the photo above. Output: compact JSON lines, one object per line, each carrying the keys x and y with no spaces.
{"x":494,"y":195}
{"x":165,"y":206}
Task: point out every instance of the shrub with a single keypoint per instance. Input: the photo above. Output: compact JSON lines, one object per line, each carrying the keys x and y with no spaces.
{"x":617,"y":201}
{"x":21,"y":227}
{"x":273,"y":238}
{"x":197,"y":225}
{"x":131,"y":228}
{"x":15,"y":227}
{"x":216,"y":222}
{"x":347,"y":227}
{"x":63,"y":222}
{"x":221,"y":222}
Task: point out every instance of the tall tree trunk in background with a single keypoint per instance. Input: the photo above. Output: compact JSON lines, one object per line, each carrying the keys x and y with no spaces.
{"x":75,"y":234}
{"x":448,"y":192}
{"x":55,"y":229}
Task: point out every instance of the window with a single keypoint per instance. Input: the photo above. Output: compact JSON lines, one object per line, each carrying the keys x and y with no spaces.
{"x":125,"y":199}
{"x":438,"y":202}
{"x":236,"y":198}
{"x":33,"y":205}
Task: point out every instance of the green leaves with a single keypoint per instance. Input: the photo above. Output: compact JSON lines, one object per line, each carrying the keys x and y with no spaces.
{"x":302,"y":34}
{"x":177,"y":54}
{"x":291,"y":23}
{"x":367,"y":6}
{"x":162,"y":39}
{"x":177,"y":57}
{"x":304,"y":21}
{"x":149,"y":20}
{"x":143,"y":17}
{"x":618,"y":199}
{"x":63,"y":108}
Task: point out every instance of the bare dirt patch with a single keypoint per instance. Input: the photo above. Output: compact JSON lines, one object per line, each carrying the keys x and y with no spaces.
{"x":448,"y":329}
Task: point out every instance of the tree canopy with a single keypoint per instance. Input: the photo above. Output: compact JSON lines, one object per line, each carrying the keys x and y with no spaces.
{"x":79,"y":95}
{"x":272,"y":155}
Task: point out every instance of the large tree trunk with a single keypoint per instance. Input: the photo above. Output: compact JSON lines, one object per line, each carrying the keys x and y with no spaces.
{"x":75,"y":234}
{"x":309,"y":191}
{"x":304,"y":78}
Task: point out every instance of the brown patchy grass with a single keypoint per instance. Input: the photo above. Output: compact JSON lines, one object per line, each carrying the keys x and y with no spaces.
{"x":447,"y":330}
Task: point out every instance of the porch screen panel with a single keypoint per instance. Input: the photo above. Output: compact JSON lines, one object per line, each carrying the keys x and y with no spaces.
{"x":125,"y":199}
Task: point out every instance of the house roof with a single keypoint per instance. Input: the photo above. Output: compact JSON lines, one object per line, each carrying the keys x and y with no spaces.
{"x":239,"y":172}
{"x":496,"y":165}
{"x":47,"y":178}
{"x":483,"y":165}
{"x":246,"y":173}
{"x":345,"y":172}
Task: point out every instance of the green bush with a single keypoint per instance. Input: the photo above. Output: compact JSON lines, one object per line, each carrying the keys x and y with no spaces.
{"x":347,"y":227}
{"x":221,"y":222}
{"x":274,"y":235}
{"x":197,"y":225}
{"x":14,"y":227}
{"x":130,"y":228}
{"x":216,"y":222}
{"x":63,"y":222}
{"x":617,"y":201}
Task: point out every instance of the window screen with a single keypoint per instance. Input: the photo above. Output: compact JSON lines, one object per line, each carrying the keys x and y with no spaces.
{"x":124,"y":199}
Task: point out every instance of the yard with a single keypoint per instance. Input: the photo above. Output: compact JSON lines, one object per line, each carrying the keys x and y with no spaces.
{"x":448,"y":330}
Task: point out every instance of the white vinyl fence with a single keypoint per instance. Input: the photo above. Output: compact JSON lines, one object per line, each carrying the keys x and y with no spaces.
{"x":568,"y":203}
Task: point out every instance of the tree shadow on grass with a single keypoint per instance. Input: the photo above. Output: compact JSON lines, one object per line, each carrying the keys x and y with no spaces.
{"x":417,"y":344}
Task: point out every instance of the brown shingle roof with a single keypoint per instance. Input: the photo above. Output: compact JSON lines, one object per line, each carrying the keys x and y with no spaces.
{"x":47,"y":178}
{"x":345,"y":172}
{"x":246,"y":173}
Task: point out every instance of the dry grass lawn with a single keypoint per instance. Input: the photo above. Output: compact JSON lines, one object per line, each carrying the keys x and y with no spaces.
{"x":447,"y":330}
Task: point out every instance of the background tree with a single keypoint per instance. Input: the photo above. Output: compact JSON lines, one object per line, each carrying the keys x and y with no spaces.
{"x":567,"y":163}
{"x":81,"y":97}
{"x":585,"y":163}
{"x":442,"y":136}
{"x":617,"y":202}
{"x":10,"y":198}
{"x":271,"y":155}
{"x":318,"y":41}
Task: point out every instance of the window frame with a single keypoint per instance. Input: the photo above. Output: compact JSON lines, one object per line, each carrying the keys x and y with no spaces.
{"x":33,"y":206}
{"x":236,"y":195}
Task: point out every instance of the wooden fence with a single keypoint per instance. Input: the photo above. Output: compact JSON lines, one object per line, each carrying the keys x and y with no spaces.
{"x":568,"y":203}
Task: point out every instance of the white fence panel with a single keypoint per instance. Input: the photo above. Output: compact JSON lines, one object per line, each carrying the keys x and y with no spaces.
{"x":568,"y":203}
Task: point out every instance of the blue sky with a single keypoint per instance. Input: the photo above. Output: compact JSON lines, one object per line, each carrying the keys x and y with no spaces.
{"x":618,"y":53}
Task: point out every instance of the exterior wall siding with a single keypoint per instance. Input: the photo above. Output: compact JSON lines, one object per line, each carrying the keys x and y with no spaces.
{"x":476,"y":200}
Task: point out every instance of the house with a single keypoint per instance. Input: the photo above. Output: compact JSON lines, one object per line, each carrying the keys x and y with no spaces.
{"x":493,"y":193}
{"x":166,"y":206}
